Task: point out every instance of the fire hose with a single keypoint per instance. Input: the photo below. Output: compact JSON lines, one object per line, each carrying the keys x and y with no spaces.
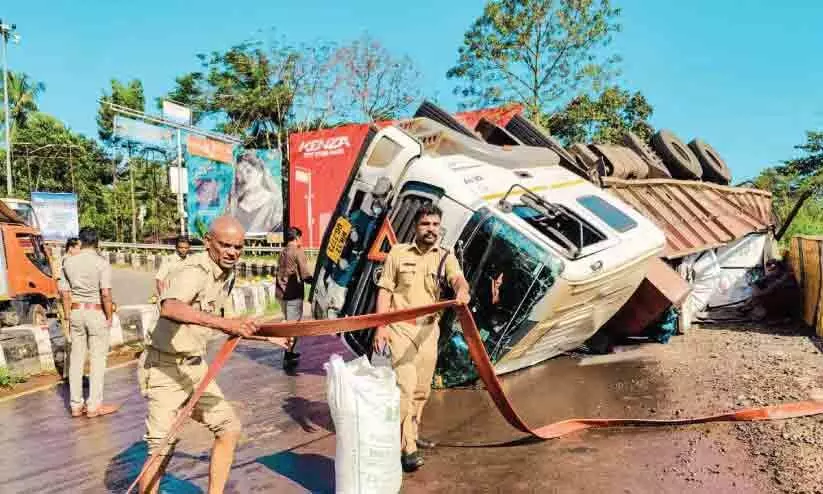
{"x":485,"y":371}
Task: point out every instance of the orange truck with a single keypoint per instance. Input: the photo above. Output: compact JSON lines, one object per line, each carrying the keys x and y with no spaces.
{"x":28,"y":288}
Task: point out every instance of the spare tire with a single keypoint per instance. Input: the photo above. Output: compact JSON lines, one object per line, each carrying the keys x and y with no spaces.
{"x":714,"y":168}
{"x":531,"y":134}
{"x":434,"y":112}
{"x":656,"y":167}
{"x":677,"y":156}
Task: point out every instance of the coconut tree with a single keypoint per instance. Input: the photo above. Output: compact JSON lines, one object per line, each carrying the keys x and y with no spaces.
{"x":23,"y":94}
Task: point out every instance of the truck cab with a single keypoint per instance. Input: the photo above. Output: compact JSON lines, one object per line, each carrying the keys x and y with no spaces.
{"x":562,"y":255}
{"x":28,"y":290}
{"x":24,"y":210}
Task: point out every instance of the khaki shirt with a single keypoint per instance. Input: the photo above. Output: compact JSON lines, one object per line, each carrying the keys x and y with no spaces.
{"x":201,"y":283}
{"x":411,"y":277}
{"x":170,"y":263}
{"x":84,"y":275}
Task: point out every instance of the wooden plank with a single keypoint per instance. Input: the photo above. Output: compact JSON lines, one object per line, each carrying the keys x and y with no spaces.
{"x":811,"y":282}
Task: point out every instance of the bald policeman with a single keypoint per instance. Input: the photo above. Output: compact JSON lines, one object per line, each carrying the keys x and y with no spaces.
{"x":192,"y":308}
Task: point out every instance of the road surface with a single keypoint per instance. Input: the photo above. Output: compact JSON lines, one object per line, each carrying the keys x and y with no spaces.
{"x":289,"y":445}
{"x":130,"y":286}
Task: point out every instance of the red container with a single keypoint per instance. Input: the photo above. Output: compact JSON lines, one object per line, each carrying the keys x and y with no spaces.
{"x":319,"y":165}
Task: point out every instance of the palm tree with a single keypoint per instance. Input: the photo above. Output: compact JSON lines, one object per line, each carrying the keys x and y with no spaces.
{"x":23,"y":94}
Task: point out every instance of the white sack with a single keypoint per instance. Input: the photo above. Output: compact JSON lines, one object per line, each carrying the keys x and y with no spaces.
{"x":365,"y":407}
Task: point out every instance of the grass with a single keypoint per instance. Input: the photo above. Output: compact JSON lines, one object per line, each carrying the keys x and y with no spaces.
{"x":9,"y":379}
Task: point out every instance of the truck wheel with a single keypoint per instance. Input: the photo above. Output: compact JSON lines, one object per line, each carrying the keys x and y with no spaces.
{"x":37,"y":315}
{"x":656,"y":167}
{"x":680,"y":160}
{"x":434,"y":112}
{"x":714,"y":168}
{"x":532,"y":135}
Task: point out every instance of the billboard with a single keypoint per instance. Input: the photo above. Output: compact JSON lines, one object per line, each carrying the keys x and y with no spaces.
{"x":57,"y":214}
{"x":256,"y":197}
{"x":319,"y":165}
{"x":176,"y":113}
{"x":226,"y":179}
{"x":143,"y":133}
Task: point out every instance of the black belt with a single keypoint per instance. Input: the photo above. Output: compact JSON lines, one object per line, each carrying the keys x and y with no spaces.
{"x":169,"y":358}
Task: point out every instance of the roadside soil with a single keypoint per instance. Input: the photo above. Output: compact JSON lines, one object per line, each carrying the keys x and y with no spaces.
{"x":729,"y":367}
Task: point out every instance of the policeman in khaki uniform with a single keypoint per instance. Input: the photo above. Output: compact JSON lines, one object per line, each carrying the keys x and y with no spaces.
{"x":191,"y":310}
{"x":411,"y":279}
{"x":85,"y":288}
{"x":172,"y":262}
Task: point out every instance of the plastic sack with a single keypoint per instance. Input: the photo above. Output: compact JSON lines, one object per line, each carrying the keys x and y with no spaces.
{"x":365,"y":407}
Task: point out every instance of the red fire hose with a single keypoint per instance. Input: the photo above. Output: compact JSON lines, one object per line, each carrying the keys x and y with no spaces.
{"x":485,"y":371}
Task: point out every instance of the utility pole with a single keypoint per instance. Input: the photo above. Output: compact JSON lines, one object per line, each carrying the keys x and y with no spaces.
{"x":180,"y":209}
{"x":6,"y":31}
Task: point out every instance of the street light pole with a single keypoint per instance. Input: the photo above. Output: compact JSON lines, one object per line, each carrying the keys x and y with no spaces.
{"x":5,"y":31}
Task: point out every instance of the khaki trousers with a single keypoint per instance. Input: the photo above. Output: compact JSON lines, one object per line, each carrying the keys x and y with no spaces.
{"x":88,"y":331}
{"x":414,"y":356}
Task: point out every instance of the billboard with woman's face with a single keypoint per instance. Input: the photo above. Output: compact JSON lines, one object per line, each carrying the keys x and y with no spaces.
{"x":256,"y":197}
{"x":244,"y":183}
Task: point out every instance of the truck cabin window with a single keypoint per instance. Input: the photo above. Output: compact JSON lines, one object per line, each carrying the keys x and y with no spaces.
{"x":561,"y":226}
{"x":32,"y":246}
{"x":608,"y":213}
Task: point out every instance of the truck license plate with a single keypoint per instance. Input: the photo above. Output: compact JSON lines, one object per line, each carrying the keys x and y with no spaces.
{"x":337,"y":241}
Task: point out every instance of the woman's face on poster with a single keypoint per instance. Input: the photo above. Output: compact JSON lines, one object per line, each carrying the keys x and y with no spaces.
{"x":249,"y":176}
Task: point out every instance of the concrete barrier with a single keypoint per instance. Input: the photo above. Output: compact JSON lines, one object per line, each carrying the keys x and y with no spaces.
{"x":30,"y":350}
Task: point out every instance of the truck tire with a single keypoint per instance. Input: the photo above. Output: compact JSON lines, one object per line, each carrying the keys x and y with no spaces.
{"x":714,"y":168}
{"x":494,"y":134}
{"x":656,"y":167}
{"x":431,"y":111}
{"x":36,"y":315}
{"x":532,"y":135}
{"x":680,"y":160}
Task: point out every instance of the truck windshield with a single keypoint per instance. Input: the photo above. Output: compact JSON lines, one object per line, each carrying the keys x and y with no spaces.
{"x":24,"y":211}
{"x":32,"y":246}
{"x":508,"y":275}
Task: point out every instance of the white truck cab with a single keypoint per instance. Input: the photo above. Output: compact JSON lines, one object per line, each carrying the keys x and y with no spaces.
{"x":568,"y":254}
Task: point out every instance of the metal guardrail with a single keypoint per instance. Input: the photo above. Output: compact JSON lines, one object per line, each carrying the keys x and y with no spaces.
{"x":170,"y":247}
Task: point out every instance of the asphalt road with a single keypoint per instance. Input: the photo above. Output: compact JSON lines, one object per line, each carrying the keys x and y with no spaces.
{"x":131,"y":287}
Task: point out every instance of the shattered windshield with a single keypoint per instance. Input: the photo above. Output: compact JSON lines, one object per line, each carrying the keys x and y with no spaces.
{"x":508,"y":274}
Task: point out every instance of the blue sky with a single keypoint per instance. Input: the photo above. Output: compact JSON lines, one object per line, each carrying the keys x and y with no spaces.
{"x":747,"y":80}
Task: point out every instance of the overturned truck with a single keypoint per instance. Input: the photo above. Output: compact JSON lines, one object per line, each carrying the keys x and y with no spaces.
{"x":554,"y":228}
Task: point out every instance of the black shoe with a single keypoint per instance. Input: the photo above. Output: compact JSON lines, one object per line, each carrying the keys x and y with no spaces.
{"x":411,"y":462}
{"x":290,"y":360}
{"x":425,"y":443}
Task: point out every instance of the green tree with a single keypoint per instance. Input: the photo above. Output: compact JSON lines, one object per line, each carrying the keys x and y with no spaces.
{"x":787,"y":180}
{"x":50,"y":157}
{"x":377,"y":85}
{"x":258,"y":90}
{"x":535,"y":52}
{"x":602,"y":119}
{"x":23,"y":95}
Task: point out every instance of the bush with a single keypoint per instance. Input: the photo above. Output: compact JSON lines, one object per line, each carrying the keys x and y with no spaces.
{"x":9,"y":379}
